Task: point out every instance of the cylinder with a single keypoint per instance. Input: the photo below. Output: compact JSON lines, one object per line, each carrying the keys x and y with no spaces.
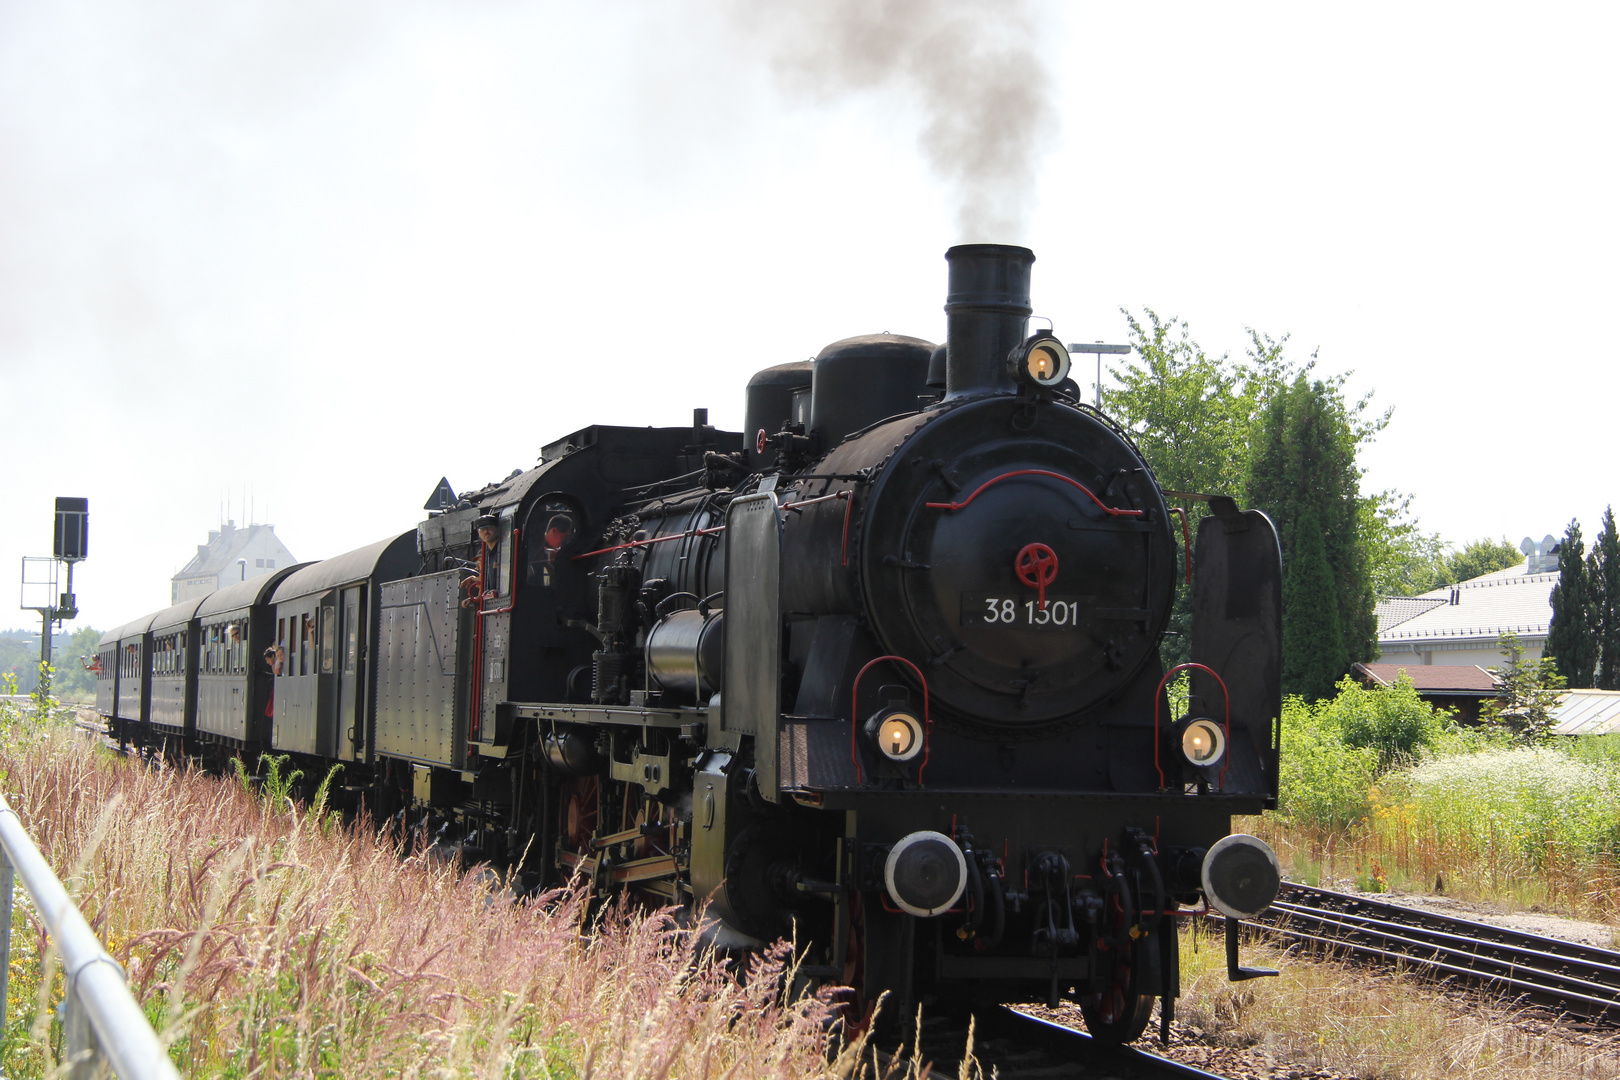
{"x":686,"y":653}
{"x":572,"y":750}
{"x":986,"y":312}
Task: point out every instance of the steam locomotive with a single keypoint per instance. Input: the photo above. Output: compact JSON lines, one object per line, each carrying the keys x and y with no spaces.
{"x":880,"y":673}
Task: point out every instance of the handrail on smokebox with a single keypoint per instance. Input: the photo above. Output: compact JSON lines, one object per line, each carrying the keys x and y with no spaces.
{"x":102,"y":1022}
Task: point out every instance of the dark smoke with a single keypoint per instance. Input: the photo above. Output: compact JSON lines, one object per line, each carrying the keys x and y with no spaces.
{"x":973,"y":69}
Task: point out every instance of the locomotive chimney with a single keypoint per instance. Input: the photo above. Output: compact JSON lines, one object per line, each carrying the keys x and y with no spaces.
{"x":986,"y":309}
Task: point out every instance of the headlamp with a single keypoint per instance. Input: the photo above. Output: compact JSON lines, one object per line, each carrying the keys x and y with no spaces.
{"x":1041,"y":361}
{"x":1203,"y":742}
{"x":898,"y":734}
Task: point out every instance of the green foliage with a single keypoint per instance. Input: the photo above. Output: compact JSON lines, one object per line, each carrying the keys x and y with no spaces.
{"x":1190,"y":414}
{"x":1313,"y":650}
{"x":1323,"y":781}
{"x":1483,"y":556}
{"x":1601,"y":750}
{"x":1335,"y":749}
{"x":1571,"y":642}
{"x":1529,"y":692}
{"x":19,"y":655}
{"x":73,"y":681}
{"x":1303,"y":473}
{"x":1603,"y":578}
{"x":1402,"y":560}
{"x":1394,"y":722}
{"x":1198,"y":419}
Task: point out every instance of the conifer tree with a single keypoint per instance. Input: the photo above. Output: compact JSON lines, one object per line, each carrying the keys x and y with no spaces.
{"x":1571,"y":637}
{"x":1603,"y":580}
{"x":1303,"y":473}
{"x":1314,"y":654}
{"x":1527,"y":695}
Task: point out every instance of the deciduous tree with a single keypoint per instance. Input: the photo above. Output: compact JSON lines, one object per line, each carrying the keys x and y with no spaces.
{"x":1480,"y":557}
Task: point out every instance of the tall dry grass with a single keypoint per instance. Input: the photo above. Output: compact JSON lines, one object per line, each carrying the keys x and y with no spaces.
{"x":267,"y":941}
{"x":1321,"y":1014}
{"x":1524,"y":826}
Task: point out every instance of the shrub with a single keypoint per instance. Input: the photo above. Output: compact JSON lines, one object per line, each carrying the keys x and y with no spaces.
{"x":1392,"y":721}
{"x":1324,"y":780}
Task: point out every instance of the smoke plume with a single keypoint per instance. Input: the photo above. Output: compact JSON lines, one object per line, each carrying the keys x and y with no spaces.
{"x":970,"y":67}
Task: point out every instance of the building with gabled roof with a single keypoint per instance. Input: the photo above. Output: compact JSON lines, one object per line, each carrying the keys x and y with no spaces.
{"x":231,"y":555}
{"x":1463,"y":623}
{"x":1462,"y":687}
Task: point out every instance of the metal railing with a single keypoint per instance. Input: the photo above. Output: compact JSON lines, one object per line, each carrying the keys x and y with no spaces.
{"x":102,"y":1024}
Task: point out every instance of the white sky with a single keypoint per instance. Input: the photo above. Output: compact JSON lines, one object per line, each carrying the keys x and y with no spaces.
{"x":328,"y":252}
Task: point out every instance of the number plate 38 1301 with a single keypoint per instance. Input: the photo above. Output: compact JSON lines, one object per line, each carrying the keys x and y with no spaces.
{"x":1023,"y":613}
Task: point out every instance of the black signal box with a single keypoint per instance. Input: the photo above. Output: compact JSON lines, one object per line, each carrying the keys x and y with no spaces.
{"x":72,"y":537}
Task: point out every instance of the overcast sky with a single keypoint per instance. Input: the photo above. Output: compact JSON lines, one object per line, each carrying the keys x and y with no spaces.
{"x":324,"y":253}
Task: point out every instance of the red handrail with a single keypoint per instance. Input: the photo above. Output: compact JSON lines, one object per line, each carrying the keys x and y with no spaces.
{"x":1111,"y":511}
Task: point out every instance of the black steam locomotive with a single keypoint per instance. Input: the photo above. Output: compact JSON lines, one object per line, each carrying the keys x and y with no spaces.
{"x":882,"y":672}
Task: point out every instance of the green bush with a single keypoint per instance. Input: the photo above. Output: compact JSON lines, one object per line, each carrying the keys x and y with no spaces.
{"x":1392,"y":721}
{"x":1334,"y":750}
{"x":1324,"y":780}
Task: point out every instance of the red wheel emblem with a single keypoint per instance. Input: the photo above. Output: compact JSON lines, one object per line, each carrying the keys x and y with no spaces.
{"x":1037,"y":567}
{"x":759,"y":441}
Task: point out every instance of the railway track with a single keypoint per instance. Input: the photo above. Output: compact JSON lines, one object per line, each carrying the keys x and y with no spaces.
{"x":1564,"y":976}
{"x":1014,"y":1046}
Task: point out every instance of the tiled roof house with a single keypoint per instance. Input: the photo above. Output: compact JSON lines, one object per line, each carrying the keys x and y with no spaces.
{"x":1462,"y":623}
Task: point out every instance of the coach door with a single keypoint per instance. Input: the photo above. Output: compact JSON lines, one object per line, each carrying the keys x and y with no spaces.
{"x":326,"y":653}
{"x":351,"y":632}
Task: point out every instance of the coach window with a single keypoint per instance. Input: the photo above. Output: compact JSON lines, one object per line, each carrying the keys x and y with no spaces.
{"x":328,"y":637}
{"x":306,"y":638}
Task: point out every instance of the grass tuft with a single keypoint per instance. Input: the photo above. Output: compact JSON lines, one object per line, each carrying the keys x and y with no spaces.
{"x":264,"y":940}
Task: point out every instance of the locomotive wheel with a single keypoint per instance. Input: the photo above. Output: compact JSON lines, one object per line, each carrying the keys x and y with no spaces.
{"x":579,"y":812}
{"x":1119,"y":1014}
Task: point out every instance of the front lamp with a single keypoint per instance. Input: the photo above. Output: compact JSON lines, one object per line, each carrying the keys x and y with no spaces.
{"x":1041,"y":362}
{"x":898,"y":734}
{"x":1203,"y":743}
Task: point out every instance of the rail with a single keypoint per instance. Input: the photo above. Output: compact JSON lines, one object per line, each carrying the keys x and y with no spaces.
{"x":1564,"y":976}
{"x":101,"y":1021}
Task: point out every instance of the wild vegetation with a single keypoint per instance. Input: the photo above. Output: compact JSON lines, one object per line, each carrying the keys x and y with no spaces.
{"x":1356,"y":1021}
{"x":1381,"y":789}
{"x":266,"y":939}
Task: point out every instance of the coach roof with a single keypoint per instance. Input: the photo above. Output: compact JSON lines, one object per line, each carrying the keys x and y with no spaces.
{"x":245,"y":594}
{"x":178,"y":615}
{"x":388,"y":559}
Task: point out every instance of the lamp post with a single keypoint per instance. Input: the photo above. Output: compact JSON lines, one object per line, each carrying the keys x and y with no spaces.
{"x":243,"y":564}
{"x":1100,"y":349}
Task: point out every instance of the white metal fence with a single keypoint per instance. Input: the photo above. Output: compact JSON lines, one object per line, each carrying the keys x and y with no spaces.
{"x":102,"y":1025}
